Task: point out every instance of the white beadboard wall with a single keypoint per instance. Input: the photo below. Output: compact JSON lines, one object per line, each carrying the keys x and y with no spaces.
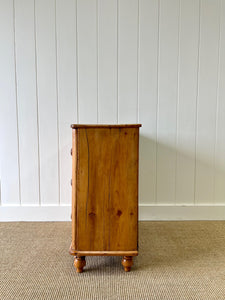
{"x":156,"y":62}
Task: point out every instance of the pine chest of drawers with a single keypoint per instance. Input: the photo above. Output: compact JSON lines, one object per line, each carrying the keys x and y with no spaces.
{"x":104,"y":192}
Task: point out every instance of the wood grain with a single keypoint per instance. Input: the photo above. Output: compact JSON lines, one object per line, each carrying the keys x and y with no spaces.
{"x":123,"y":190}
{"x":105,"y":204}
{"x":127,"y":263}
{"x":102,"y":253}
{"x":79,"y":263}
{"x":105,"y":126}
{"x":74,"y":167}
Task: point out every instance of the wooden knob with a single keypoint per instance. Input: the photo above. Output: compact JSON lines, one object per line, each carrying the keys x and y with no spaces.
{"x":71,"y":151}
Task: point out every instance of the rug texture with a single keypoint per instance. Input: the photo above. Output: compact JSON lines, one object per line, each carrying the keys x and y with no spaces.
{"x":177,"y":260}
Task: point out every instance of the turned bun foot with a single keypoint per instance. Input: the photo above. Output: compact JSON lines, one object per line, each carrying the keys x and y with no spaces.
{"x":127,"y":262}
{"x":79,"y":263}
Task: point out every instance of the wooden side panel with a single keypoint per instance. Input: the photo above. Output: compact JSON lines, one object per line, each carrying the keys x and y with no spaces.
{"x":74,"y":187}
{"x":107,"y":189}
{"x":93,"y":188}
{"x":124,"y":191}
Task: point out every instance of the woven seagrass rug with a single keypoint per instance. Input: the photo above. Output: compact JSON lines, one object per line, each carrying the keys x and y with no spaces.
{"x":177,"y":260}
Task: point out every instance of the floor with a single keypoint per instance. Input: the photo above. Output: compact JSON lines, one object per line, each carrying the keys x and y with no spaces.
{"x":177,"y":260}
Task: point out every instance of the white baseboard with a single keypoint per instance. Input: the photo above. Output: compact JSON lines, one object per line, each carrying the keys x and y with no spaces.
{"x":181,"y":212}
{"x":146,"y":212}
{"x":35,"y":213}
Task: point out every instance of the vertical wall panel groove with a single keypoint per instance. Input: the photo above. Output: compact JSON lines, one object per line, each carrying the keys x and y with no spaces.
{"x":219,"y":194}
{"x":107,"y":71}
{"x":77,"y":87}
{"x":97,"y":56}
{"x":37,"y":108}
{"x":157,"y":107}
{"x":138,"y":51}
{"x":16,"y":99}
{"x":87,"y":66}
{"x":197,"y":99}
{"x":186,"y":111}
{"x":26,"y":101}
{"x":166,"y":142}
{"x":207,"y":102}
{"x":57,"y":100}
{"x":47,"y":96}
{"x":67,"y":95}
{"x":117,"y":63}
{"x":217,"y":102}
{"x":178,"y":99}
{"x":10,"y":190}
{"x":127,"y":32}
{"x":157,"y":62}
{"x":147,"y":88}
